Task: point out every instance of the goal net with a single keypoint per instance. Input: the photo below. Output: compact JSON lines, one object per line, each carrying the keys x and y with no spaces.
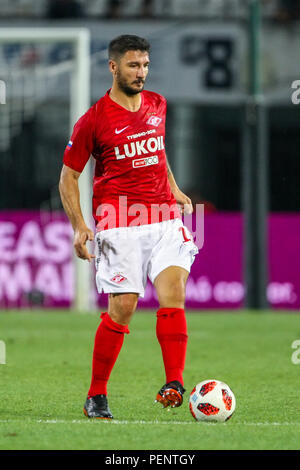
{"x":45,"y":76}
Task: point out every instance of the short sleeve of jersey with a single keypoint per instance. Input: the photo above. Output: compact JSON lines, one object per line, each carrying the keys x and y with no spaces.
{"x":81,"y":143}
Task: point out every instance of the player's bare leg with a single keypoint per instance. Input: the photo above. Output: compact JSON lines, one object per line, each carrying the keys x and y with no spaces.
{"x":108,"y":343}
{"x":171,"y":331}
{"x":121,"y":307}
{"x":170,"y":287}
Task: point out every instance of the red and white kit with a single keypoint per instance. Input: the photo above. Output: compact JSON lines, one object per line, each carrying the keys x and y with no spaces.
{"x":132,"y":198}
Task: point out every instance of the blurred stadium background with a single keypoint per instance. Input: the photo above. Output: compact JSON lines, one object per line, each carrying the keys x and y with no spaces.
{"x":227,"y":69}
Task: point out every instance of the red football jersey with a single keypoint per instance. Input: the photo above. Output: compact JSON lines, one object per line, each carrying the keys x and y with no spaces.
{"x":131,"y":185}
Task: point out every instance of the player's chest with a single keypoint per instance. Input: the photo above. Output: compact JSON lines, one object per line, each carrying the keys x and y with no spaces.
{"x":132,"y":134}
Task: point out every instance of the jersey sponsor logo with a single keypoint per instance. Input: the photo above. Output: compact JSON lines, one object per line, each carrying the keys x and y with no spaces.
{"x":141,"y":134}
{"x":154,"y":121}
{"x":118,"y":131}
{"x":140,"y":147}
{"x":118,"y":278}
{"x":145,"y":161}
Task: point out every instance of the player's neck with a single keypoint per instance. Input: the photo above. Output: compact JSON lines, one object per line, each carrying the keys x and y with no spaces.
{"x":131,"y":103}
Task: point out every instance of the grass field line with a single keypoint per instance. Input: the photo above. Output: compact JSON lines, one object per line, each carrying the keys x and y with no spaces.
{"x":143,"y":422}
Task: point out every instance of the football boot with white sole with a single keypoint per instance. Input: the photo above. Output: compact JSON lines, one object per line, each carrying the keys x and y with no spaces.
{"x":171,"y":394}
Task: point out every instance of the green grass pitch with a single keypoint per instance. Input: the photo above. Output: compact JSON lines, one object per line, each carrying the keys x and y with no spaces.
{"x":44,"y":382}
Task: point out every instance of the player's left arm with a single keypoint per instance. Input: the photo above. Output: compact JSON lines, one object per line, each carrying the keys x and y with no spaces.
{"x":182,"y":199}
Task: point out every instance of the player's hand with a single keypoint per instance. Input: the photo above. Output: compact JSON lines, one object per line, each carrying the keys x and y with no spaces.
{"x":81,"y":236}
{"x":184,"y":202}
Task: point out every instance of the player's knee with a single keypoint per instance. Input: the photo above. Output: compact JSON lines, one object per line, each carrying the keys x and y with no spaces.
{"x":127,"y":306}
{"x":173,"y":295}
{"x":122,"y":308}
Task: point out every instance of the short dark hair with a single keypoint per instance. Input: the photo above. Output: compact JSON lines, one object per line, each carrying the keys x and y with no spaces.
{"x":126,"y":42}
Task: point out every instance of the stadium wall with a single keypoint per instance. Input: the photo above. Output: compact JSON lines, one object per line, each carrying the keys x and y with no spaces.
{"x":36,"y":271}
{"x":194,"y":61}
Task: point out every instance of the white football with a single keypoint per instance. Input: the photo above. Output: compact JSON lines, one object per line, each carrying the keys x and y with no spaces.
{"x":212,"y":400}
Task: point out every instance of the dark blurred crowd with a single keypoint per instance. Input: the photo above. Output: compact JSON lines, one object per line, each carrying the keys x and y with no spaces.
{"x":284,"y":10}
{"x":288,"y":10}
{"x":277,"y":10}
{"x":74,"y":9}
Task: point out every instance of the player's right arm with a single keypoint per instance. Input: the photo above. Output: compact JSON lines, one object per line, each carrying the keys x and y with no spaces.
{"x":70,"y":197}
{"x":76,"y":155}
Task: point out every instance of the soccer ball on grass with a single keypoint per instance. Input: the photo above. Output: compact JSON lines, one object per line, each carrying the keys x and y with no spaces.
{"x":212,"y":400}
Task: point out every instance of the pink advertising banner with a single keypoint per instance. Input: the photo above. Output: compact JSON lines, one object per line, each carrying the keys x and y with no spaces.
{"x":36,"y":263}
{"x":35,"y":260}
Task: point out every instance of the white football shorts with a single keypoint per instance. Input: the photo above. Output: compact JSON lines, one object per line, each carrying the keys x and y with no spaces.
{"x":126,"y":256}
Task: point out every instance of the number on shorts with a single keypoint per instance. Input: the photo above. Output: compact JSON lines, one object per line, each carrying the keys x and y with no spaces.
{"x":185,"y":238}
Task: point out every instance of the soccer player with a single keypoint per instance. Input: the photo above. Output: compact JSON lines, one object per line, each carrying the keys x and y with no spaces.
{"x":137,"y":208}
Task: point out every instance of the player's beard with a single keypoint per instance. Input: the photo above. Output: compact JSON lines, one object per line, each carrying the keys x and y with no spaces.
{"x":126,"y":88}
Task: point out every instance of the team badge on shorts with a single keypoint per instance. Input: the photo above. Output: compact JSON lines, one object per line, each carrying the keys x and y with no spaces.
{"x":118,"y":278}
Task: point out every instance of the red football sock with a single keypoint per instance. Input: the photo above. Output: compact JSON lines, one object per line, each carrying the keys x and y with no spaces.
{"x":108,"y":343}
{"x":171,"y":332}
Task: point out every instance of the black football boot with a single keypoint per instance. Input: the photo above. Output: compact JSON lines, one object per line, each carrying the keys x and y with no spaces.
{"x":97,"y":407}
